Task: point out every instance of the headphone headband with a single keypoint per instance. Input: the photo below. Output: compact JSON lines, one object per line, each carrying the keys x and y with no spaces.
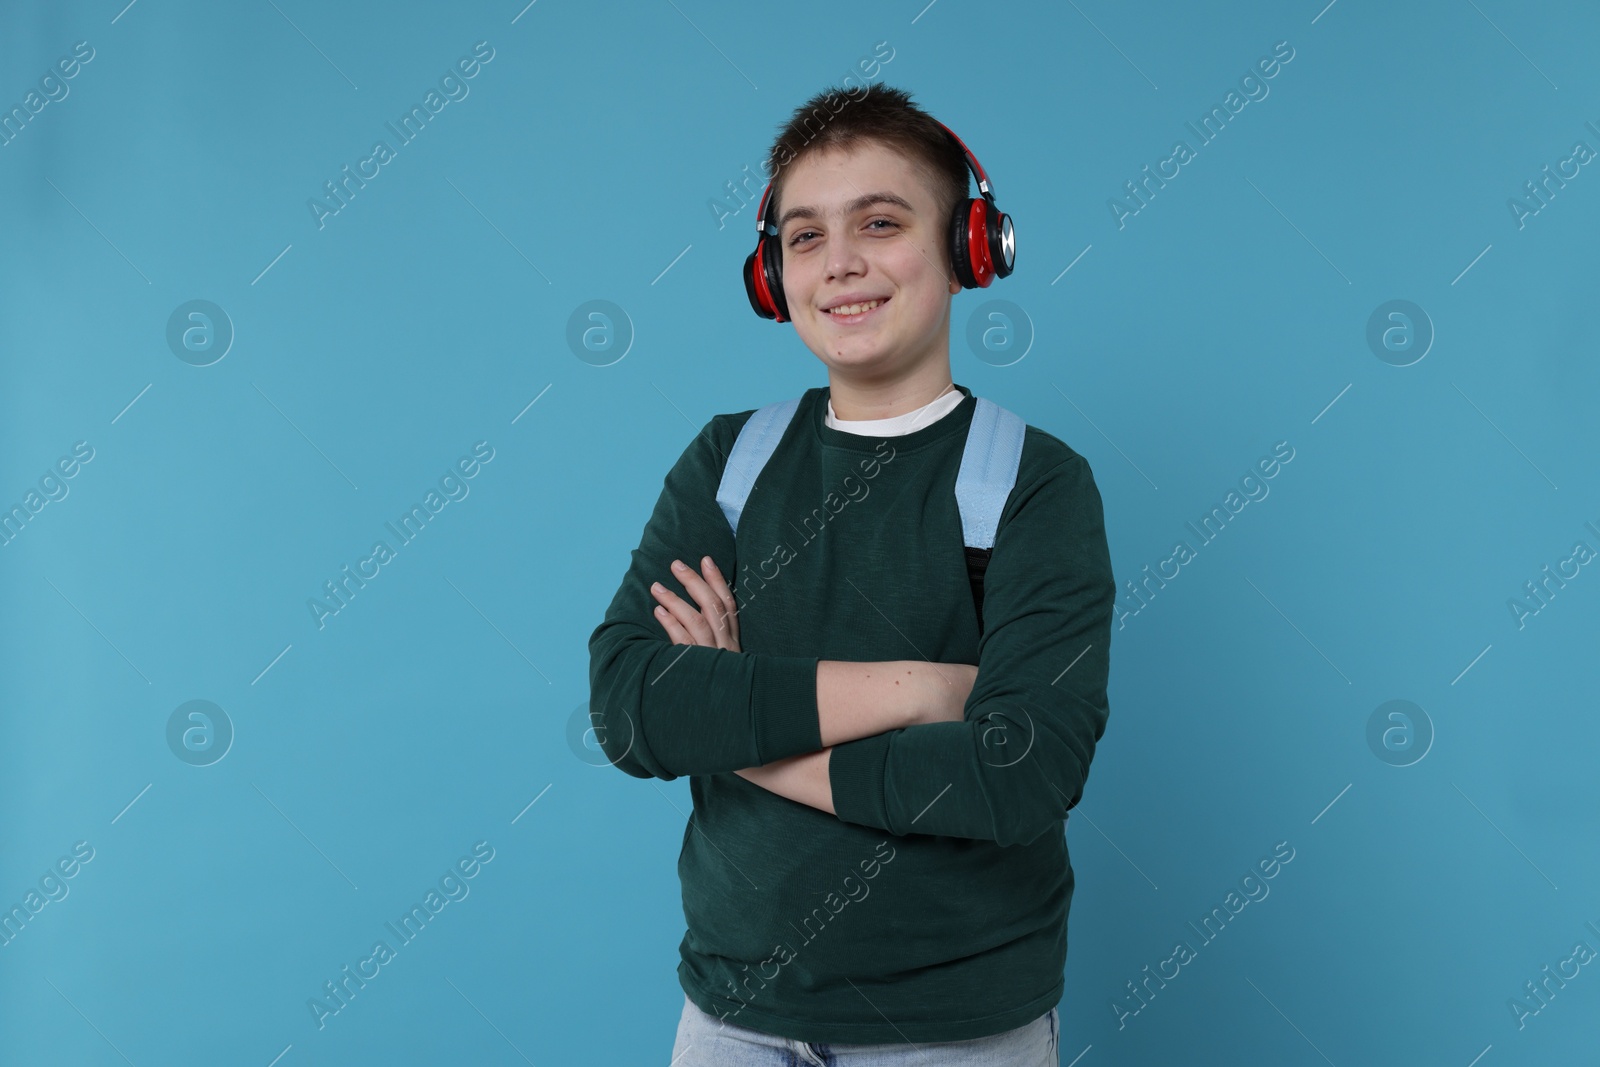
{"x":761,"y":216}
{"x":972,"y":162}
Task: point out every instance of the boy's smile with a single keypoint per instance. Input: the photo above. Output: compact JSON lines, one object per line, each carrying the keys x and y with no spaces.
{"x":865,"y":273}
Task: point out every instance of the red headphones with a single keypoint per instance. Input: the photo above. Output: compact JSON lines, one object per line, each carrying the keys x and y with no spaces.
{"x":983,"y":245}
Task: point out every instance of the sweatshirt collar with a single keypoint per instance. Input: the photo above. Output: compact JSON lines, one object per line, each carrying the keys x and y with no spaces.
{"x":955,"y":421}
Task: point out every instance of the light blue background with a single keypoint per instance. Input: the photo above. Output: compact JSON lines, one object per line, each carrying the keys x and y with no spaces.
{"x":1227,"y":315}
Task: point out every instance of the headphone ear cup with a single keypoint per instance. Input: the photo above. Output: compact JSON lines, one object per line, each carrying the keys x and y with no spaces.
{"x":1002,"y":243}
{"x":960,"y":254}
{"x":765,"y":291}
{"x":772,"y":261}
{"x":970,"y":243}
{"x":752,"y":288}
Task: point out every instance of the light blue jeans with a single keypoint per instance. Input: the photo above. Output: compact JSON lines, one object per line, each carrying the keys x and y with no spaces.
{"x":704,"y":1041}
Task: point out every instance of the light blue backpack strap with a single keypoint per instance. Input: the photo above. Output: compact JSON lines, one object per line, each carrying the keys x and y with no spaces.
{"x":988,"y":471}
{"x":757,"y":440}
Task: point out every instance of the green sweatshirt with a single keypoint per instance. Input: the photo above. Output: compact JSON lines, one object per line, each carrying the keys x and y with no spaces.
{"x":933,"y":906}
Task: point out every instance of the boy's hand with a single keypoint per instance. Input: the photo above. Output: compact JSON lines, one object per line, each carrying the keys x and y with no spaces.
{"x":716,"y":625}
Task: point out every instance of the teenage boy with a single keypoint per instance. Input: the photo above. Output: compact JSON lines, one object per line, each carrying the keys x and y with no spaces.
{"x":876,"y":856}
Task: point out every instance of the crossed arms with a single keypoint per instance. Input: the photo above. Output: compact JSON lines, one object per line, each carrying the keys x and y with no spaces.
{"x":1000,"y":752}
{"x":854,"y":700}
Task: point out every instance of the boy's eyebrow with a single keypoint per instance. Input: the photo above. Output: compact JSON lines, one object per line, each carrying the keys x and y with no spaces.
{"x":849,"y":209}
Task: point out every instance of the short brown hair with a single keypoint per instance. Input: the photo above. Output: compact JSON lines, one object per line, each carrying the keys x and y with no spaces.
{"x":836,"y":119}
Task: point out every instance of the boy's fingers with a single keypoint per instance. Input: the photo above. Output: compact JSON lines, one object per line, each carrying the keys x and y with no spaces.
{"x":711,"y":603}
{"x":718,"y":584}
{"x":682,"y":625}
{"x":674,"y":629}
{"x":715,"y":604}
{"x":730,"y":607}
{"x":688,"y":618}
{"x":675,"y":632}
{"x":697,"y":587}
{"x":716,"y":624}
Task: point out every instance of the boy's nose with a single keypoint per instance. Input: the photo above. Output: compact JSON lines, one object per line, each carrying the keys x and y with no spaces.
{"x":845,"y":258}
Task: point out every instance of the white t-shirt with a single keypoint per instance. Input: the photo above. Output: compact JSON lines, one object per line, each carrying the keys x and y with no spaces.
{"x":900,"y":425}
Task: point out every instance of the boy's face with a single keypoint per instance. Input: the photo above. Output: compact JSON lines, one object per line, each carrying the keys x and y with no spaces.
{"x":842,"y":251}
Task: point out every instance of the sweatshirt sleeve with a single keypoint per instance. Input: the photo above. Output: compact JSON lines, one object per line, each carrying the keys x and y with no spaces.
{"x":1018,"y":763}
{"x":661,"y":710}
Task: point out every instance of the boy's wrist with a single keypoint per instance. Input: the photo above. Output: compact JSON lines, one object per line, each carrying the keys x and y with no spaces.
{"x":942,"y":693}
{"x":926,"y":699}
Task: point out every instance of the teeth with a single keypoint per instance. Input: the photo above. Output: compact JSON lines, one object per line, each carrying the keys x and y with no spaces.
{"x":854,"y":309}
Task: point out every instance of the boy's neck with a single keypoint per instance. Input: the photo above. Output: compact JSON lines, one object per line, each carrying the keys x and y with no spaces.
{"x":884,"y":398}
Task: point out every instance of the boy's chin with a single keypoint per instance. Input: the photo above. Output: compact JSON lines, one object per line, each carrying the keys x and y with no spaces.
{"x":857,"y":358}
{"x":848,"y":349}
{"x":829,"y":344}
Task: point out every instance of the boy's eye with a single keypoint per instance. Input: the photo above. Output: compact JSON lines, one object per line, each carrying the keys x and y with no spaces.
{"x":887,"y":224}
